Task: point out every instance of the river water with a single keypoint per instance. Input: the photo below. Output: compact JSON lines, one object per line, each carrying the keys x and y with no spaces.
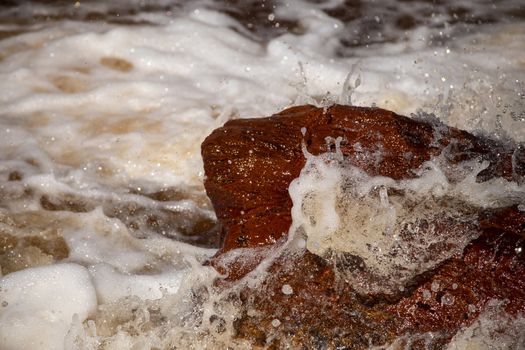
{"x":104,"y":222}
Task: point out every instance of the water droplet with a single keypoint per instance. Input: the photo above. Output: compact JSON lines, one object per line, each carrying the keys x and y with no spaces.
{"x":435,"y":286}
{"x":426,"y":294}
{"x":303,"y":130}
{"x":447,"y":299}
{"x":472,"y":308}
{"x":301,"y":243}
{"x":287,"y":289}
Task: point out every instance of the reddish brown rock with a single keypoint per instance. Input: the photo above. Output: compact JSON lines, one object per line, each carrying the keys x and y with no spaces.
{"x":249,"y":164}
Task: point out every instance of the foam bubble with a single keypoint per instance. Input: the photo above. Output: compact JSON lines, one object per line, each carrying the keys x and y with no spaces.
{"x":286,"y":289}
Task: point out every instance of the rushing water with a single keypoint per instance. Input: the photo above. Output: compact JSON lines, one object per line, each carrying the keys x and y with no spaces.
{"x":104,"y":222}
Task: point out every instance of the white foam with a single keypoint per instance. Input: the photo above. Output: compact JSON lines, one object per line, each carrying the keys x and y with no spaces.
{"x":494,"y":329}
{"x":342,"y":210}
{"x":95,"y":238}
{"x":112,"y":285}
{"x":38,"y":305}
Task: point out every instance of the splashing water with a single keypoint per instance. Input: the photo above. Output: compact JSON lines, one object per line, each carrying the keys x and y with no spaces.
{"x":102,"y":112}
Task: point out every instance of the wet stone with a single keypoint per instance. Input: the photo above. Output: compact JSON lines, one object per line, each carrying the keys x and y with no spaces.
{"x":249,"y":165}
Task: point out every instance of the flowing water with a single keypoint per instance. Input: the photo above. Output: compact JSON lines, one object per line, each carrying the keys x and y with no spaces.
{"x":104,"y":222}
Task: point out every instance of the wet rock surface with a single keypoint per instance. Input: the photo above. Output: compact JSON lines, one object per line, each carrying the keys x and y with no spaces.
{"x":304,"y":300}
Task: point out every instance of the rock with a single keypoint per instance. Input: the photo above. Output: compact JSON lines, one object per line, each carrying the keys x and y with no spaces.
{"x":334,"y":298}
{"x":249,"y":163}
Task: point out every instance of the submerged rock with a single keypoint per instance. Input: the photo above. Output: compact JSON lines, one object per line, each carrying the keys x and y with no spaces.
{"x":424,"y":227}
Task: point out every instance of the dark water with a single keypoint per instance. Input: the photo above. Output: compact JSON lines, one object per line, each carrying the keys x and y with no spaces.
{"x":366,"y":22}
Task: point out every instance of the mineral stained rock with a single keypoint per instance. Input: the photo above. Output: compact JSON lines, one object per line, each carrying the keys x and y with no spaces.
{"x":249,"y":165}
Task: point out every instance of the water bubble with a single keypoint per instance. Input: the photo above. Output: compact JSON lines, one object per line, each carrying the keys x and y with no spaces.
{"x":287,"y":289}
{"x":447,"y":299}
{"x":472,"y":308}
{"x":435,"y":286}
{"x":276,"y":322}
{"x":301,"y":243}
{"x":426,"y":294}
{"x":271,"y":17}
{"x":303,"y":130}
